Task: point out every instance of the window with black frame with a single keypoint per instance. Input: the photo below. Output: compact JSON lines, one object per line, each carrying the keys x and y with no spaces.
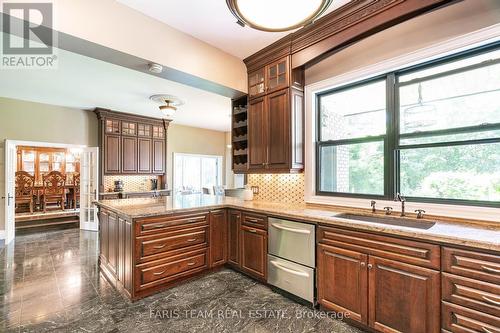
{"x":433,"y":135}
{"x":352,"y":136}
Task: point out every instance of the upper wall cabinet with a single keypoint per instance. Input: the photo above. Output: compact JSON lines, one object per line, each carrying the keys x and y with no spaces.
{"x":131,"y":144}
{"x":273,"y":121}
{"x":269,"y":78}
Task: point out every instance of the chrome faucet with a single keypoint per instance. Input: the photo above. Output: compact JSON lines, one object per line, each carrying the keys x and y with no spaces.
{"x":401,"y":199}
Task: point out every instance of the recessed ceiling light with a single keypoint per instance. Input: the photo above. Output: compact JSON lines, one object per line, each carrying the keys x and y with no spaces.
{"x":277,"y":15}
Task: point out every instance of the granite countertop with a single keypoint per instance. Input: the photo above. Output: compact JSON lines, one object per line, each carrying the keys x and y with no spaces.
{"x":474,"y":234}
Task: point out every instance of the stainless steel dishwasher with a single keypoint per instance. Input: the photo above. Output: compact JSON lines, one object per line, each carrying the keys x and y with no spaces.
{"x":291,"y":257}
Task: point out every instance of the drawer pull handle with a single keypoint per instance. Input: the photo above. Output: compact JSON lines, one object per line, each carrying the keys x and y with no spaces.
{"x":191,"y":263}
{"x":485,"y":330}
{"x":249,"y":219}
{"x":191,"y":240}
{"x":299,"y":231}
{"x":159,"y":226}
{"x":159,"y":273}
{"x":490,"y":270}
{"x":489,"y":300}
{"x":289,"y":270}
{"x":157,"y":247}
{"x":252,"y":231}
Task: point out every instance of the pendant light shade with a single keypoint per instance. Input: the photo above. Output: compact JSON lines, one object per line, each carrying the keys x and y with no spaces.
{"x":277,"y":15}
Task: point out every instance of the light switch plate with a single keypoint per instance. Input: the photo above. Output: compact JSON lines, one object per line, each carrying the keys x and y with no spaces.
{"x":255,"y":189}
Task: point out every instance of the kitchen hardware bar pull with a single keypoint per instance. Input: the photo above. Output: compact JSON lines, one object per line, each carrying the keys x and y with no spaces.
{"x":291,"y":271}
{"x":299,"y":231}
{"x":191,"y":240}
{"x":489,"y":300}
{"x":485,"y":330}
{"x":252,"y":230}
{"x":160,"y":246}
{"x":159,"y":226}
{"x":490,"y":270}
{"x":159,"y":273}
{"x":191,"y":263}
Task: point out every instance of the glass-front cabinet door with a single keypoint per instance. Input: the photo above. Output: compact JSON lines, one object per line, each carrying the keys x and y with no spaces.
{"x":58,"y":161}
{"x":277,"y":75}
{"x":28,"y":159}
{"x":256,"y":83}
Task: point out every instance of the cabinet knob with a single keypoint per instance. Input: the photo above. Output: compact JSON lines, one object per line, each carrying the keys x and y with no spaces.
{"x":363,"y":264}
{"x":370,"y":266}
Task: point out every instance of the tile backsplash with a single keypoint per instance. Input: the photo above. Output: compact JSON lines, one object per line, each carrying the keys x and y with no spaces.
{"x":130,"y":183}
{"x":286,"y":188}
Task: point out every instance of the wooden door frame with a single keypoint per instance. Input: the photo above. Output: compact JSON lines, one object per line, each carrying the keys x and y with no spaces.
{"x":10,"y":225}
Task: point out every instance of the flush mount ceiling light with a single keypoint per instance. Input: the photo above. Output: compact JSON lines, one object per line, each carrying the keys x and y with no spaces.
{"x":168,"y":103}
{"x":277,"y":15}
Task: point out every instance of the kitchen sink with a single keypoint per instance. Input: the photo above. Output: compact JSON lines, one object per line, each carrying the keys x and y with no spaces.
{"x":398,"y":221}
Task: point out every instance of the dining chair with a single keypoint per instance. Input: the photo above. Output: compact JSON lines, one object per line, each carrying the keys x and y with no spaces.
{"x":219,"y":190}
{"x":53,"y":189}
{"x":25,"y":186}
{"x":205,"y":190}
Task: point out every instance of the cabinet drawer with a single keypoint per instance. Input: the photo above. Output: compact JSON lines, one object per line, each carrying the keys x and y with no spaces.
{"x":417,"y":253}
{"x":255,"y":220}
{"x":170,"y":223}
{"x":163,"y":243}
{"x":476,"y":265}
{"x":458,"y":319}
{"x":477,"y":295}
{"x":161,"y":272}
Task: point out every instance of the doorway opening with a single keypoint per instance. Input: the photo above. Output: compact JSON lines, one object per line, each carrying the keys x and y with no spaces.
{"x":49,"y":186}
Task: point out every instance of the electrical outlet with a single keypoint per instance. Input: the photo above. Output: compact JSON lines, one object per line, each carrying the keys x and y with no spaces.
{"x":255,"y":189}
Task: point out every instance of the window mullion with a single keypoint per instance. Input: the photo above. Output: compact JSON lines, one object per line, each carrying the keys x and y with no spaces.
{"x":390,"y":144}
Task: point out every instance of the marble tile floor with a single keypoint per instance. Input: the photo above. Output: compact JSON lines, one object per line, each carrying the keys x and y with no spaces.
{"x":49,"y":282}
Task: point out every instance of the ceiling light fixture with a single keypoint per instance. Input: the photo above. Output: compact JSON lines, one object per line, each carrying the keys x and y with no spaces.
{"x":155,"y":68}
{"x":277,"y":15}
{"x":169,"y":104}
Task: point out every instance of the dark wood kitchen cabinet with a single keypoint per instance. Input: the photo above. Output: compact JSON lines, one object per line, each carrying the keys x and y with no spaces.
{"x":399,"y":288}
{"x":112,"y":153}
{"x":386,"y":283}
{"x":254,"y":252}
{"x":234,"y":224}
{"x":218,"y":237}
{"x":144,"y":151}
{"x":276,"y":119}
{"x":253,"y":245}
{"x":131,"y":145}
{"x":129,"y":154}
{"x":257,"y":140}
{"x":343,"y":281}
{"x":159,"y":156}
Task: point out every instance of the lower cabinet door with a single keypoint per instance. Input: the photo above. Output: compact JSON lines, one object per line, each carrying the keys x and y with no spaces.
{"x":234,"y":221}
{"x":218,"y":238}
{"x":342,"y":281}
{"x":402,"y":297}
{"x":254,"y":252}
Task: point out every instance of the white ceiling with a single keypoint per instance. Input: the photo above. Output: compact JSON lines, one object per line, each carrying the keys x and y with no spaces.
{"x":85,"y":83}
{"x":211,"y":22}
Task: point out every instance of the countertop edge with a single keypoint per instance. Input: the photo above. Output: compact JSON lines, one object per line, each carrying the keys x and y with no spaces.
{"x":331,"y":221}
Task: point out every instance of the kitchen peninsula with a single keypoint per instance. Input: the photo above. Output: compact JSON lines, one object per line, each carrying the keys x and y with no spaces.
{"x":149,"y":244}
